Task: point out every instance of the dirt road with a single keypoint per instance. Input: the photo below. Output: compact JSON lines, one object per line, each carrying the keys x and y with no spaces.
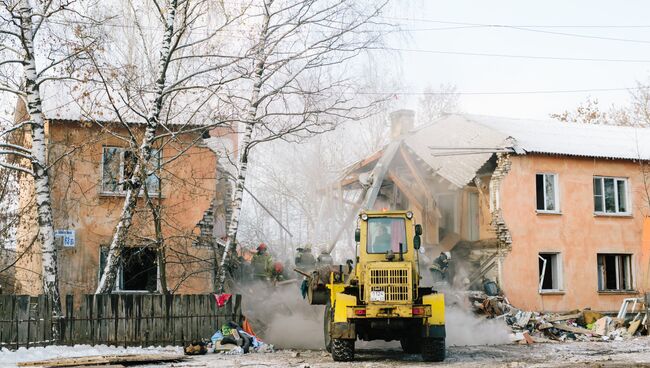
{"x":634,"y":352}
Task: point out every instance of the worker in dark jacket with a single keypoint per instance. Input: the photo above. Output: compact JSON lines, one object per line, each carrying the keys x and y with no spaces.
{"x":262,"y":264}
{"x":305,"y":260}
{"x":439,"y":267}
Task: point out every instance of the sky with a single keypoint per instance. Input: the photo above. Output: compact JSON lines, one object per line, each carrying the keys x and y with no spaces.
{"x":621,"y":30}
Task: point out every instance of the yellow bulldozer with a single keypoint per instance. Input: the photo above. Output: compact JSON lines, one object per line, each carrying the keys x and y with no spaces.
{"x":377,"y":296}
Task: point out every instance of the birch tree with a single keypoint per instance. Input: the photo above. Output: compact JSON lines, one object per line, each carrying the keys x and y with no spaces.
{"x":181,"y":99}
{"x":301,"y":81}
{"x":36,"y":48}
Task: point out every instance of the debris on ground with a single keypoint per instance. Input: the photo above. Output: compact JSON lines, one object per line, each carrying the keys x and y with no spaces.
{"x":234,"y":339}
{"x":578,"y":325}
{"x":196,"y":348}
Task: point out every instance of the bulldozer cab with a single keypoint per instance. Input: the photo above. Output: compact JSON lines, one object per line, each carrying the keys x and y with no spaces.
{"x":387,"y":236}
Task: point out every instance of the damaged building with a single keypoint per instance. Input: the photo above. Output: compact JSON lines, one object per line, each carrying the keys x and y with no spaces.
{"x":555,"y":213}
{"x":90,"y":157}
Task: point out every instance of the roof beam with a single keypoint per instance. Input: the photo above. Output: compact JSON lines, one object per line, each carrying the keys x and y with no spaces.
{"x":379,"y":172}
{"x":415,"y":172}
{"x":413,"y":200}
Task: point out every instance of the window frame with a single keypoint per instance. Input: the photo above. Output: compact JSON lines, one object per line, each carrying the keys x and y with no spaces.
{"x":628,"y":199}
{"x":556,"y":192}
{"x":119,"y":279}
{"x":559,"y":273}
{"x":628,"y":265}
{"x":121,"y":191}
{"x":368,"y":241}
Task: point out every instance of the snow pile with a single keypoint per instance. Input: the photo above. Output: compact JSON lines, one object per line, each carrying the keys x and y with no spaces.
{"x":9,"y":358}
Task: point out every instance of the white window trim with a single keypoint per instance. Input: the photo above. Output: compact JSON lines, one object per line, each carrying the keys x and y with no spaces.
{"x":560,"y":274}
{"x":119,"y":278}
{"x":122,"y":192}
{"x":556,"y":192}
{"x":120,"y":281}
{"x":631,"y":273}
{"x":628,"y":197}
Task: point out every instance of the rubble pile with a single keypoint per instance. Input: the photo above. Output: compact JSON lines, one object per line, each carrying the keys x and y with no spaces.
{"x":578,"y":325}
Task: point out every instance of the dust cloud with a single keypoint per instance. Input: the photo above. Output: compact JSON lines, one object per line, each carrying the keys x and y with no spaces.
{"x":464,"y":328}
{"x":280,"y":316}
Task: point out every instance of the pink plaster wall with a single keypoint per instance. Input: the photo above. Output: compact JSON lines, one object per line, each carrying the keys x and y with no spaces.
{"x":577,"y":233}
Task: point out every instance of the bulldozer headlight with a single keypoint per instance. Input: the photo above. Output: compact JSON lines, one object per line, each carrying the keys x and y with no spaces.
{"x":409,"y":215}
{"x":364,"y":216}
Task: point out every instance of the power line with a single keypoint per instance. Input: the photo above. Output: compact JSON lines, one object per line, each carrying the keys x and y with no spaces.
{"x":436,"y":93}
{"x":515,"y":25}
{"x":464,"y":25}
{"x":534,"y":57}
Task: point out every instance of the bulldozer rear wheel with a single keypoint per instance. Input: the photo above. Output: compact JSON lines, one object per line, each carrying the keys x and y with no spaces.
{"x":411,"y":345}
{"x":433,"y":349}
{"x":327,"y":320}
{"x":343,"y":350}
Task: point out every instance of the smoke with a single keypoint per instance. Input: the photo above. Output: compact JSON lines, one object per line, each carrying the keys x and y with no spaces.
{"x":296,"y":332}
{"x":280,"y":316}
{"x":464,"y":328}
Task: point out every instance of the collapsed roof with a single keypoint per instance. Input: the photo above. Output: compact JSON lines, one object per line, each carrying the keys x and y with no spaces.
{"x":457,"y":146}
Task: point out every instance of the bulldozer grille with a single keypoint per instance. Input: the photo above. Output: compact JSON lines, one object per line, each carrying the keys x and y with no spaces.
{"x":395,"y":283}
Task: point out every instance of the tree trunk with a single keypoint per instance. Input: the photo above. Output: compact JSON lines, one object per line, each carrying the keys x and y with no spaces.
{"x":251,"y":120}
{"x":39,"y":167}
{"x":231,"y":242}
{"x":107,"y":281}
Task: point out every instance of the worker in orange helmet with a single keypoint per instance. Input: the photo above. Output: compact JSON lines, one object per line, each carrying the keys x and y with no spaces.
{"x":262,"y":264}
{"x":277,"y":272}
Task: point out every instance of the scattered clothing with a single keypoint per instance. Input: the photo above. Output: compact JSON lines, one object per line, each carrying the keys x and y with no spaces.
{"x":221,"y":299}
{"x":242,"y":339}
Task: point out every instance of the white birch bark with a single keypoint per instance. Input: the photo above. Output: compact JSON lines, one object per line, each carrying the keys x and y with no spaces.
{"x":109,"y":276}
{"x":251,"y":120}
{"x":39,"y":168}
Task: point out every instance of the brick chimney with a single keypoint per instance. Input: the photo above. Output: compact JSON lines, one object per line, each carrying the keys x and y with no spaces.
{"x":401,"y":122}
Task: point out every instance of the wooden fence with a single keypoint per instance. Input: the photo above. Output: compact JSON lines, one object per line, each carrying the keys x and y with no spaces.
{"x":115,"y":319}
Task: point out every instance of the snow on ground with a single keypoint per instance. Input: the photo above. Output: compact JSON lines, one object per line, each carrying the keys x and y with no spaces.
{"x":9,"y":358}
{"x":628,"y":353}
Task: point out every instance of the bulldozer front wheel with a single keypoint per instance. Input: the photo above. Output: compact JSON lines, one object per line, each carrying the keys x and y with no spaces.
{"x":433,"y":349}
{"x":343,"y":350}
{"x":410,"y":345}
{"x":327,"y":323}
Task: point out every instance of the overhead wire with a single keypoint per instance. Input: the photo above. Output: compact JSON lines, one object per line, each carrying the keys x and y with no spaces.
{"x":434,"y":93}
{"x":532,"y":57}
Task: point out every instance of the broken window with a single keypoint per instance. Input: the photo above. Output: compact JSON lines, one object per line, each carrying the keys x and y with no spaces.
{"x":118,"y":164}
{"x":550,"y":271}
{"x":614,"y":272}
{"x":610,"y":195}
{"x":138,"y":270}
{"x":547,"y":192}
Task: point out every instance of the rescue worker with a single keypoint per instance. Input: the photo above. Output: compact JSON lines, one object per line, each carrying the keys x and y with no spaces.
{"x":277,"y":272}
{"x":439,"y":267}
{"x":305,"y":260}
{"x":262,"y":264}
